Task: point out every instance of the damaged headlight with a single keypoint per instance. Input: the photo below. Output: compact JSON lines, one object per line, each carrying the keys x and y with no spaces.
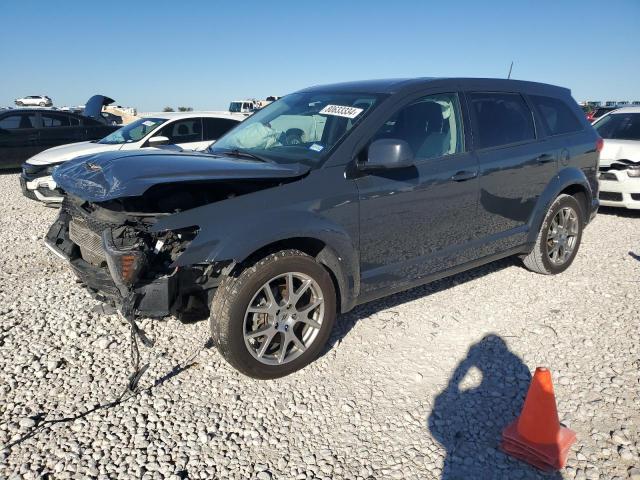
{"x":125,"y":263}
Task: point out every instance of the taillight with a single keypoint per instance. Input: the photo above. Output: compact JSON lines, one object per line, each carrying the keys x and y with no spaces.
{"x":599,"y":145}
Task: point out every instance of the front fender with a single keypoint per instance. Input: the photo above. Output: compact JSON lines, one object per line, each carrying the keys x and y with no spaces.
{"x":233,"y":229}
{"x":565,"y":178}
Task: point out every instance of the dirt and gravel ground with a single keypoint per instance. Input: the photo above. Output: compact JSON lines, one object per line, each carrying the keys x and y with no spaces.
{"x":418,"y":385}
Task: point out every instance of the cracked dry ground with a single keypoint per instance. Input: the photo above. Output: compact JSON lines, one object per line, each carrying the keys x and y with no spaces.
{"x":418,"y":385}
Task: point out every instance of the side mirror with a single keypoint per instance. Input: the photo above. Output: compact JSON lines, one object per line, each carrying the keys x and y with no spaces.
{"x":158,"y":141}
{"x":388,"y":153}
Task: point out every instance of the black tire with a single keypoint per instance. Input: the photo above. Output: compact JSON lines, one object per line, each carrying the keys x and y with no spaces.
{"x":538,"y":259}
{"x":42,"y":104}
{"x":232,"y":299}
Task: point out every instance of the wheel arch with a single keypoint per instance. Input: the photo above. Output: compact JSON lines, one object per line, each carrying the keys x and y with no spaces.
{"x":581,"y":194}
{"x":343,"y":276}
{"x":570,"y":181}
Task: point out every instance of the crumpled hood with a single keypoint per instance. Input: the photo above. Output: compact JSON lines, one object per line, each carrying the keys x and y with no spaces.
{"x":110,"y":175}
{"x":67,"y":152}
{"x":619,"y":150}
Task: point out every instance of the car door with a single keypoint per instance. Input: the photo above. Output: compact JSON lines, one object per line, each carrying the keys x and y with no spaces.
{"x":58,"y":129}
{"x":419,"y":220}
{"x":185,"y":133}
{"x":515,"y":167}
{"x":92,"y":129}
{"x":18,"y":138}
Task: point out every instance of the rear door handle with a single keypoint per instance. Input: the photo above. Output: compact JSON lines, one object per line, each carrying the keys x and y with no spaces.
{"x":546,"y":158}
{"x":464,"y":175}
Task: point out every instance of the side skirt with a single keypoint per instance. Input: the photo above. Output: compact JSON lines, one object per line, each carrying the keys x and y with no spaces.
{"x":377,"y":294}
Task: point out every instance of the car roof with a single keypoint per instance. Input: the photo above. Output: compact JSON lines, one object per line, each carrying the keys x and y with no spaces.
{"x":625,"y":110}
{"x":396,"y":85}
{"x":181,"y":115}
{"x":39,"y":109}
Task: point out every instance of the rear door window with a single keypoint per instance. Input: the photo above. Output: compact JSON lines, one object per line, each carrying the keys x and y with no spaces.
{"x":556,"y":115}
{"x":214,"y":128}
{"x":54,"y":120}
{"x":14,"y":122}
{"x":500,"y":119}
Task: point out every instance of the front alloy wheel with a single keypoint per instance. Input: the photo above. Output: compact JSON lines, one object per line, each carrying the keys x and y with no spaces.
{"x":275,"y":316}
{"x":283,"y":318}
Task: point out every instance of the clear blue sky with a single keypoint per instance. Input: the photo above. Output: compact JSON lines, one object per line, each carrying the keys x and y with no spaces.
{"x":203,"y":54}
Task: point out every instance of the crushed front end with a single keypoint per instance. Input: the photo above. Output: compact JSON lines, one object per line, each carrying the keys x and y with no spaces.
{"x":117,"y":257}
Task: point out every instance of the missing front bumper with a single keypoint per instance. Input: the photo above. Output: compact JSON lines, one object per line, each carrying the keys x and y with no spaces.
{"x":154,"y":297}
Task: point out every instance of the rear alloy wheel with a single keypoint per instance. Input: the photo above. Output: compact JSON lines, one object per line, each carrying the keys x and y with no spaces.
{"x":275,"y":316}
{"x":559,"y":237}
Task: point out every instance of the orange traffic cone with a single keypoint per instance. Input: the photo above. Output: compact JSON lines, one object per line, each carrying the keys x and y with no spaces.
{"x":537,"y":437}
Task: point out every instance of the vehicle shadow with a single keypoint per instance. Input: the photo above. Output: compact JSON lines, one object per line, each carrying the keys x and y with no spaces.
{"x":619,"y":212}
{"x":485,"y":393}
{"x":347,"y":321}
{"x":9,"y":171}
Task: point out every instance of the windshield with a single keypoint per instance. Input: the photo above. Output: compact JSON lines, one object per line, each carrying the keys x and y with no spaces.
{"x":619,"y":126}
{"x":133,"y":132}
{"x":298,"y":128}
{"x":235,"y":107}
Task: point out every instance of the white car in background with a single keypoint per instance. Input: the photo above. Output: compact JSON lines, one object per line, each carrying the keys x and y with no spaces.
{"x":174,"y":131}
{"x":620,"y":158}
{"x":34,"y":101}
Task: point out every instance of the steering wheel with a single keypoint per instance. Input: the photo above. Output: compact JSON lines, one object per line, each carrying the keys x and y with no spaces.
{"x":293,"y":136}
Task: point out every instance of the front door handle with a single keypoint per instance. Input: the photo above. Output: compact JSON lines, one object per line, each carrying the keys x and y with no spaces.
{"x":546,"y":158}
{"x":464,"y":175}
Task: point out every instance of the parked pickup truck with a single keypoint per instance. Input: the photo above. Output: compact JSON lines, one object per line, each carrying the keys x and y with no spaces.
{"x":328,"y":198}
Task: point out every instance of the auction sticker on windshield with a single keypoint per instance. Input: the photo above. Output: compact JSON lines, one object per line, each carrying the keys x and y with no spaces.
{"x":341,"y":111}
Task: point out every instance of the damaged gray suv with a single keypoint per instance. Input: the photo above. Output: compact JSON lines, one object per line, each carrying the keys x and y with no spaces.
{"x":328,"y":198}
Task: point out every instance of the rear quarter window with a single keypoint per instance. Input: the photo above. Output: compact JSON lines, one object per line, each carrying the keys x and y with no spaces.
{"x":500,"y":119}
{"x":54,"y":120}
{"x":557,"y":116}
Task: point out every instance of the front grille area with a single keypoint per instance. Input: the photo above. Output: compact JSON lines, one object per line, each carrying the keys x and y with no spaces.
{"x":90,"y":242}
{"x":635,"y":196}
{"x":611,"y":196}
{"x":78,"y":212}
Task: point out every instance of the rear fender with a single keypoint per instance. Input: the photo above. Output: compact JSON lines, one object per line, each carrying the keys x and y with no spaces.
{"x":565,"y":178}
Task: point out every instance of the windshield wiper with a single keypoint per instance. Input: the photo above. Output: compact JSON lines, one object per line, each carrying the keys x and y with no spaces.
{"x":236,"y":152}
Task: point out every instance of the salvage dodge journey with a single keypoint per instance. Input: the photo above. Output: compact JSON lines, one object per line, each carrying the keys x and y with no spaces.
{"x":328,"y":198}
